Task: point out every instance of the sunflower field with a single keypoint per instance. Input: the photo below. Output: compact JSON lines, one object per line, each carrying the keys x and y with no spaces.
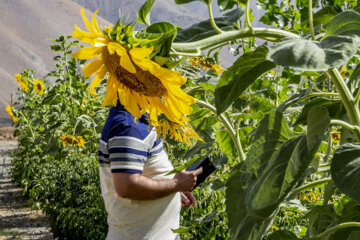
{"x":281,"y":124}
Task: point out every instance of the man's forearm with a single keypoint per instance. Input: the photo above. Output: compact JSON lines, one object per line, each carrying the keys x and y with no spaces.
{"x":139,"y":187}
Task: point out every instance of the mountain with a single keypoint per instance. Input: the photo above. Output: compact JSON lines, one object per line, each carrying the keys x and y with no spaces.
{"x":163,"y":10}
{"x":25,"y":28}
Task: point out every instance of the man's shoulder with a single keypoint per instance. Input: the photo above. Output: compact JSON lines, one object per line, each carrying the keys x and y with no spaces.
{"x":123,"y":124}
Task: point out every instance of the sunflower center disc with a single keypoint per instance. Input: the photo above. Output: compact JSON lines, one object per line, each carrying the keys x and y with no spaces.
{"x":142,"y":82}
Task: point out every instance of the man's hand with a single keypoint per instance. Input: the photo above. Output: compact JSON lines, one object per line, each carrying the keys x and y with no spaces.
{"x":186,"y":180}
{"x":187,"y":198}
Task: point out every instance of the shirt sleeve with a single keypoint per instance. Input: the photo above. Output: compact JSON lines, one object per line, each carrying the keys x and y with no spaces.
{"x":157,"y":148}
{"x":127,"y":153}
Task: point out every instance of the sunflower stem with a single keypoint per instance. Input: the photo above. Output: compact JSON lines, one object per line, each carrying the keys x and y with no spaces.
{"x":212,"y":20}
{"x":337,"y":227}
{"x":311,"y":185}
{"x":311,"y":24}
{"x":247,"y":16}
{"x":195,"y":54}
{"x":347,"y":99}
{"x":225,"y":121}
{"x":196,"y":46}
{"x":28,"y":124}
{"x":323,"y":94}
{"x":328,"y":150}
{"x":357,"y":98}
{"x":216,"y":47}
{"x":346,"y":125}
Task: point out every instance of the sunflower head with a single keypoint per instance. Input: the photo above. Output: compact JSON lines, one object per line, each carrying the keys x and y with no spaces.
{"x":67,"y":139}
{"x":71,"y":140}
{"x":205,"y":63}
{"x":335,"y":136}
{"x":141,"y":84}
{"x":11,"y":113}
{"x":23,"y":82}
{"x":343,"y":71}
{"x":39,"y":86}
{"x":80,"y":141}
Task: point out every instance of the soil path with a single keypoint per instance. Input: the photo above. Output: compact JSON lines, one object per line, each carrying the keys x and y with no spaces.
{"x":17,"y":220}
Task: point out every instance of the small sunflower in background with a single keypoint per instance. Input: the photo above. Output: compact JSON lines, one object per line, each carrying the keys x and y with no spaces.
{"x":343,"y":71}
{"x":71,"y":140}
{"x":80,"y":141}
{"x":205,"y":63}
{"x":141,"y":84}
{"x":39,"y":86}
{"x":335,"y":136}
{"x":11,"y":113}
{"x":23,"y":82}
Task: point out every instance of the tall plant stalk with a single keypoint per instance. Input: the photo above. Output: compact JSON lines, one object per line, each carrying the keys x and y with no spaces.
{"x":226,"y":122}
{"x":348,"y":100}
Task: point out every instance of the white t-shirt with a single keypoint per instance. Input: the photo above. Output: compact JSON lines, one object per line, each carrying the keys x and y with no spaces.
{"x":127,"y":146}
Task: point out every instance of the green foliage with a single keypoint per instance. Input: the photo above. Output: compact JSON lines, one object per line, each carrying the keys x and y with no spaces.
{"x":345,"y":169}
{"x":239,"y":77}
{"x":160,"y":35}
{"x":143,"y":15}
{"x":180,"y":2}
{"x":345,"y":23}
{"x":62,"y":180}
{"x":277,"y":159}
{"x":226,"y":4}
{"x":282,"y":235}
{"x":307,"y":55}
{"x":204,"y":29}
{"x":354,"y":81}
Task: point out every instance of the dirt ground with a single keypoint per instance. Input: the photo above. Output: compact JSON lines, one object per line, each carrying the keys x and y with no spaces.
{"x":17,"y":220}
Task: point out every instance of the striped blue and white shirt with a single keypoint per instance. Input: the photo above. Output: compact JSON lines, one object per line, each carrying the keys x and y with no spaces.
{"x":131,"y":146}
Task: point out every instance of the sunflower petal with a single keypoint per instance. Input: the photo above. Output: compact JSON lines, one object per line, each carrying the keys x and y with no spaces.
{"x":82,"y":38}
{"x":18,"y":77}
{"x":126,"y":63}
{"x":94,"y":22}
{"x":97,"y":79}
{"x":92,"y":67}
{"x":88,"y":34}
{"x":111,"y":90}
{"x":86,"y":21}
{"x":132,"y":106}
{"x":141,"y":52}
{"x":116,"y":47}
{"x":87,"y":53}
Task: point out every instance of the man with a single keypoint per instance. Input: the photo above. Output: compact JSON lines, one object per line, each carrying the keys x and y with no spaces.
{"x":142,"y":202}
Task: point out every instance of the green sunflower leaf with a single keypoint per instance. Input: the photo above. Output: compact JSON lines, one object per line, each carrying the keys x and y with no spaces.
{"x":226,"y":4}
{"x":345,"y":169}
{"x":160,"y":35}
{"x":143,"y":15}
{"x":282,"y":235}
{"x":354,"y":81}
{"x":345,"y":23}
{"x":277,"y":161}
{"x":307,"y":55}
{"x":204,"y":29}
{"x":181,"y":2}
{"x":233,"y":82}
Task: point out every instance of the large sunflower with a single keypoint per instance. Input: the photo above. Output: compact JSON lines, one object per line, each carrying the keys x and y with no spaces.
{"x":141,"y":85}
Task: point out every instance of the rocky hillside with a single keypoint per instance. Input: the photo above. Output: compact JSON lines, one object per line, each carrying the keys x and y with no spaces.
{"x":25,"y":29}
